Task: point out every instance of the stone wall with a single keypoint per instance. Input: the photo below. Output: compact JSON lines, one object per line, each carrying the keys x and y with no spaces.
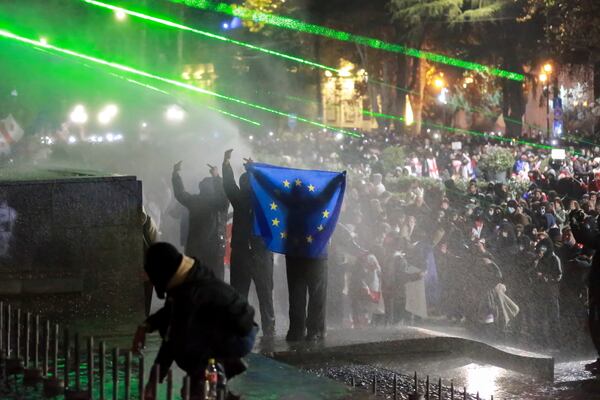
{"x":71,"y":248}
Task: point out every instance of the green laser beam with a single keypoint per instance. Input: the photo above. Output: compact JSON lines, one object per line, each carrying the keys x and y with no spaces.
{"x":209,"y":35}
{"x":256,"y":123}
{"x":300,"y":26}
{"x":227,"y":113}
{"x":244,"y":44}
{"x":133,"y":71}
{"x":465,"y":131}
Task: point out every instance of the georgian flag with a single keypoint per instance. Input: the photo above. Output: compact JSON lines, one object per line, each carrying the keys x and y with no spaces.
{"x":10,"y":133}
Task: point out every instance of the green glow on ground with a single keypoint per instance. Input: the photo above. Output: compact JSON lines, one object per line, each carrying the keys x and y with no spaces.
{"x":209,"y":35}
{"x":293,"y":24}
{"x":463,"y":131}
{"x":133,"y":71}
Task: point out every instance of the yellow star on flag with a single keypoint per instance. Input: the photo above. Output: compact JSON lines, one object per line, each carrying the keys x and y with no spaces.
{"x":309,"y":239}
{"x":311,"y":188}
{"x":286,"y":183}
{"x":298,"y":182}
{"x":325,"y":214}
{"x":275,"y":222}
{"x":273,"y":206}
{"x":283,"y":235}
{"x":320,"y":227}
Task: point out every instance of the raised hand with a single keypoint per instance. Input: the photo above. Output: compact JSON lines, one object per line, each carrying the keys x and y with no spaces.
{"x":214,"y":171}
{"x":227,"y":156}
{"x":177,"y":167}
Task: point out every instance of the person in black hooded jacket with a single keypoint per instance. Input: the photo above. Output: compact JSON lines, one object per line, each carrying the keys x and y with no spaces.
{"x":207,"y":219}
{"x":203,"y":317}
{"x":250,"y":258}
{"x":547,"y":275}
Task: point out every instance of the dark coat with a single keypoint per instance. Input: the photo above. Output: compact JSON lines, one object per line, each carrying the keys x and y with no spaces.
{"x":200,"y":319}
{"x":243,"y":214}
{"x":207,"y":216}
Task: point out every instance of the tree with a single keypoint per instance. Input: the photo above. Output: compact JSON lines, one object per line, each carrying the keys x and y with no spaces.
{"x":486,"y":31}
{"x":419,"y":26}
{"x":573,"y":30}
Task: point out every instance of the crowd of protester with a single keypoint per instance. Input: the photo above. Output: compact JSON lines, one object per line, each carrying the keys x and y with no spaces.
{"x":505,"y":254}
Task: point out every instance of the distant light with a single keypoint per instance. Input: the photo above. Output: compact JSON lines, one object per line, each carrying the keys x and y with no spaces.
{"x":443,"y":97}
{"x":251,"y":137}
{"x":548,"y":68}
{"x":175,"y":113}
{"x":44,"y":41}
{"x":110,"y":137}
{"x":436,"y":136}
{"x":409,"y":117}
{"x":118,"y":137}
{"x":144,"y":125}
{"x":120,"y":15}
{"x":439,"y":83}
{"x":324,"y":130}
{"x":543,"y":77}
{"x":79,"y":115}
{"x":271,"y":133}
{"x":554,"y":142}
{"x":72,"y":139}
{"x":100,"y":139}
{"x":225,"y":25}
{"x":107,"y":114}
{"x":93,"y":139}
{"x":339,"y":136}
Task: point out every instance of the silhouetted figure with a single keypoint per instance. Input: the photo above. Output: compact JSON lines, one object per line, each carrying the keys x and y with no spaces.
{"x":250,"y":258}
{"x":207,"y":210}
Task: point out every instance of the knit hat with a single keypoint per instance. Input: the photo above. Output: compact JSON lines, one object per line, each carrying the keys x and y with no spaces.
{"x":162,"y":262}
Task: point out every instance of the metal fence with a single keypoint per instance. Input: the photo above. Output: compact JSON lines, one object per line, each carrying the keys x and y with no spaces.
{"x":40,"y":359}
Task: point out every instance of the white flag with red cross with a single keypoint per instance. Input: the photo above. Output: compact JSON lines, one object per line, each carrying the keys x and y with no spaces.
{"x":10,"y":133}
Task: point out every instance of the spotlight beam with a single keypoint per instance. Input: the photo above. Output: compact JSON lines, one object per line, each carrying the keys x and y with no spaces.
{"x":36,"y":43}
{"x":210,"y":35}
{"x":300,"y":26}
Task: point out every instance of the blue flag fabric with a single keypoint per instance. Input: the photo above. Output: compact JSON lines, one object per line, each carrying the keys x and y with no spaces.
{"x":295,"y":210}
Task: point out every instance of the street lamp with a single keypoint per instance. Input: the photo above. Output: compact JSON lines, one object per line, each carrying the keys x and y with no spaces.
{"x":107,"y":114}
{"x":175,"y":114}
{"x":78,"y":116}
{"x":548,"y":68}
{"x":120,"y":15}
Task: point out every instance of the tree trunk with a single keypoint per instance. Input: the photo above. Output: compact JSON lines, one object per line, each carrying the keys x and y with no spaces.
{"x":401,"y":81}
{"x":319,"y":94}
{"x":416,"y":100}
{"x":371,"y":91}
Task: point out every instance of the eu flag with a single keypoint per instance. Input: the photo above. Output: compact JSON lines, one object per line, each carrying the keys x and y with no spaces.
{"x":295,"y":210}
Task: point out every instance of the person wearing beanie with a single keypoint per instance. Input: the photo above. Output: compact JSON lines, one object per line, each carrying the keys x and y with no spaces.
{"x":203,"y":318}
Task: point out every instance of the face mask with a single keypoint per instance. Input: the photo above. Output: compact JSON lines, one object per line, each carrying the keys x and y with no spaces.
{"x":491,"y":212}
{"x":505,"y":234}
{"x":511,"y":210}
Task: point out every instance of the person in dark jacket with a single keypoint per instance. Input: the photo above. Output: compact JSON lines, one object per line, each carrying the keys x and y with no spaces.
{"x":250,"y":258}
{"x":203,"y":318}
{"x":590,"y":238}
{"x":207,"y":210}
{"x":547,"y":277}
